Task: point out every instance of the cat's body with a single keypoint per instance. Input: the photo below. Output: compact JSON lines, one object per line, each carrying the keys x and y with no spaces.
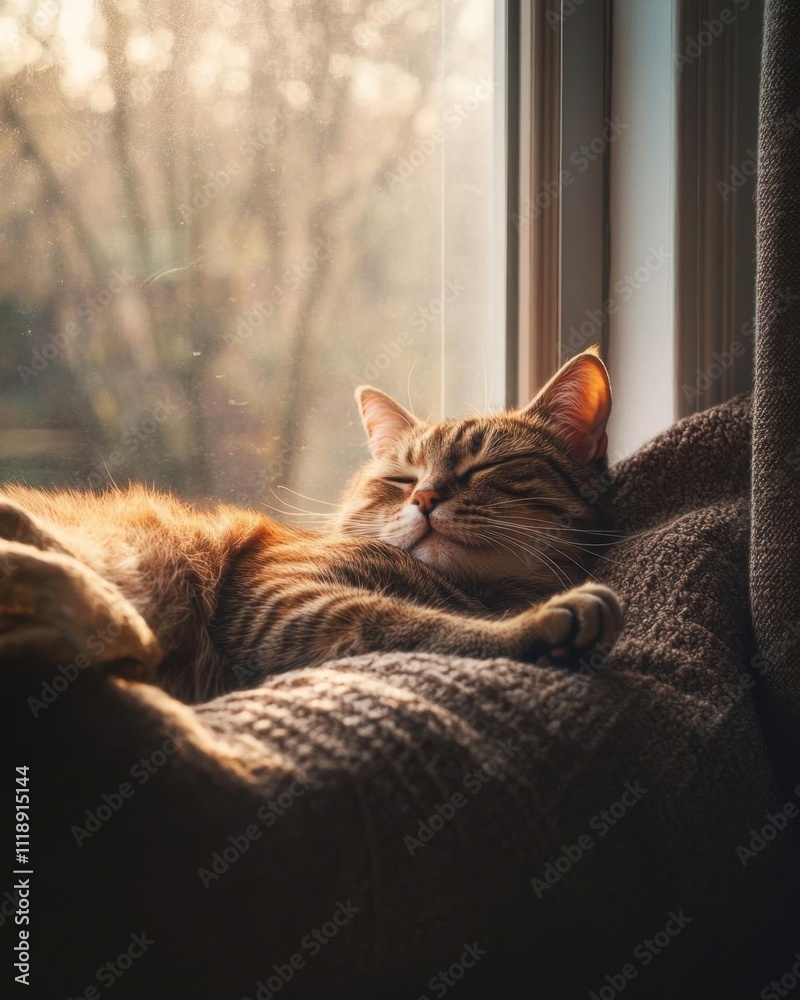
{"x":208,"y":582}
{"x":443,"y":542}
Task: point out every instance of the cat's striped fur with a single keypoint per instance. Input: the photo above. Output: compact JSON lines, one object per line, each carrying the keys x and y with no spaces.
{"x":493,"y":516}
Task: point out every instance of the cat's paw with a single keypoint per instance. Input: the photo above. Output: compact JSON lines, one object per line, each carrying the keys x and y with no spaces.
{"x":573,"y":624}
{"x":17,"y":525}
{"x":54,"y":610}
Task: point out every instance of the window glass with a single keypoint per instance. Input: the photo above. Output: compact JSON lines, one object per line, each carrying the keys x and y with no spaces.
{"x":217,"y":218}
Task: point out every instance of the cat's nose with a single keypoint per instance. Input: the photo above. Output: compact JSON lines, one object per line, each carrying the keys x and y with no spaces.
{"x":429,"y":496}
{"x":426,"y":499}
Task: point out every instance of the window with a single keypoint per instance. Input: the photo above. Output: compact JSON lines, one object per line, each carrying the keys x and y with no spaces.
{"x":217,"y":218}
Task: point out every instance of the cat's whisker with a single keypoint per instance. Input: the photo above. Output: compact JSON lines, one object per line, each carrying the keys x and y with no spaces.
{"x":368,"y":519}
{"x":293,"y":510}
{"x":555,"y":540}
{"x":502,"y":503}
{"x":290,"y":506}
{"x":408,"y":388}
{"x":533,"y":500}
{"x":613,"y":535}
{"x":549,"y":541}
{"x":304,"y":496}
{"x":573,"y":561}
{"x":305,"y":523}
{"x":297,"y":512}
{"x":565,"y":527}
{"x":561,"y":576}
{"x":592,"y":555}
{"x":485,"y":537}
{"x":555,"y":546}
{"x":534,"y":527}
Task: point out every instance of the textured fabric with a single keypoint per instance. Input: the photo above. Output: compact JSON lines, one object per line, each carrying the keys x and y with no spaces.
{"x":775,"y":576}
{"x":624,"y":789}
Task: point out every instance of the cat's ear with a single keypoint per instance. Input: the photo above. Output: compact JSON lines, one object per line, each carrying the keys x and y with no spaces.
{"x":384,"y":419}
{"x":577,"y":399}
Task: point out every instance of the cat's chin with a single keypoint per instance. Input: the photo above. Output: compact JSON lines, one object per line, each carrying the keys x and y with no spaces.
{"x":435,"y":551}
{"x":469,"y":564}
{"x":431,"y":543}
{"x":448,"y":555}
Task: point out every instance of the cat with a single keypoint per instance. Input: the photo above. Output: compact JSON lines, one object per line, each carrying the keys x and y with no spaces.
{"x":450,"y":539}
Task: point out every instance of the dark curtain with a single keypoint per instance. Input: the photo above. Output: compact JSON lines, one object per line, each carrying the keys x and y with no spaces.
{"x":775,"y":542}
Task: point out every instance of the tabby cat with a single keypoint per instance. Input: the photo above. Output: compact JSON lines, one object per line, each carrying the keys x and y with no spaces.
{"x":444,"y":542}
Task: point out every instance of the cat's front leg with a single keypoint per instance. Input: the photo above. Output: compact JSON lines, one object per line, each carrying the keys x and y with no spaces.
{"x":323,"y":622}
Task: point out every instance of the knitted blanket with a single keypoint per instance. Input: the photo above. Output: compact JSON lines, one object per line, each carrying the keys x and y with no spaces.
{"x":403,"y":825}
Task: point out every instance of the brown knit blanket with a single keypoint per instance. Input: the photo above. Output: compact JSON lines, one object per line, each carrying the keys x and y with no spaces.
{"x":406,"y":825}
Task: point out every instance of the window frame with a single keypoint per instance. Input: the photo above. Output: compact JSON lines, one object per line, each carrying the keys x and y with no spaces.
{"x":564,"y":263}
{"x":558,"y":249}
{"x":533,"y":67}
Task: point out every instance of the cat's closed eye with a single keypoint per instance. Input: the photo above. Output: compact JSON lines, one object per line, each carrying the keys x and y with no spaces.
{"x":400,"y":480}
{"x":491,"y":465}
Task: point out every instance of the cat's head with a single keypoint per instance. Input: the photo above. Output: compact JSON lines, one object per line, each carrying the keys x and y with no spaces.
{"x":508,"y":498}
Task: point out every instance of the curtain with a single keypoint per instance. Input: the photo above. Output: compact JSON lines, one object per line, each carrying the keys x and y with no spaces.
{"x":775,"y":539}
{"x":717,"y":66}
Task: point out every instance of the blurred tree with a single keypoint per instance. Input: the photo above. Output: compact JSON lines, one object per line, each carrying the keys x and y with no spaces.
{"x":191,"y":193}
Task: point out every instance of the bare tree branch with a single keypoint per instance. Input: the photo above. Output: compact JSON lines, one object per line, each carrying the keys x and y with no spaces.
{"x":90,"y":248}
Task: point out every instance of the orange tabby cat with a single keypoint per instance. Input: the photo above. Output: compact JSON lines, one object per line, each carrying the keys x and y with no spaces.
{"x":443,"y":542}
